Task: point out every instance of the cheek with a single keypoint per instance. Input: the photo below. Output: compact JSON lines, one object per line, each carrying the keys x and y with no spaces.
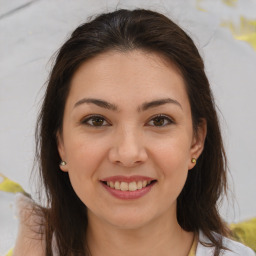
{"x":174,"y":168}
{"x":174,"y":179}
{"x":84,"y":156}
{"x":173,"y":154}
{"x":85,"y":153}
{"x":172,"y":158}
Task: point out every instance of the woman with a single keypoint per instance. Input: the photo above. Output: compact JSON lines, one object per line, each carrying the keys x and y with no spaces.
{"x":129,"y":146}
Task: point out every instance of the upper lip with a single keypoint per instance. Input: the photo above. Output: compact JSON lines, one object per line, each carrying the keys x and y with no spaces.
{"x":127,"y":178}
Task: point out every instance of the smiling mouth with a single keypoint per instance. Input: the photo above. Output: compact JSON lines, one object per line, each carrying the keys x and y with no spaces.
{"x":128,"y":186}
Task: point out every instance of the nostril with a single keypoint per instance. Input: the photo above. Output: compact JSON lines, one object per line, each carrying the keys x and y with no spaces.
{"x":127,"y":156}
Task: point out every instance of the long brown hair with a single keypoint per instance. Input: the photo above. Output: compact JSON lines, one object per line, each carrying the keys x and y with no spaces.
{"x":126,"y":30}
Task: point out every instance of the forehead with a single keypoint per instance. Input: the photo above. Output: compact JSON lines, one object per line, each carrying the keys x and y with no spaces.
{"x":132,"y":76}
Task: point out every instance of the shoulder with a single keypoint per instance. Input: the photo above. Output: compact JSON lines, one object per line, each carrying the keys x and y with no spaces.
{"x":237,"y":248}
{"x":30,"y":238}
{"x":234,"y":248}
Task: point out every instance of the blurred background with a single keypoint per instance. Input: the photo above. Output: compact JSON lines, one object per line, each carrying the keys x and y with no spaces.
{"x":32,"y":30}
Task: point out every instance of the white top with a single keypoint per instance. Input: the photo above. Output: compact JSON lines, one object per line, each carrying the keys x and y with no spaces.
{"x":236,"y":249}
{"x":25,"y":204}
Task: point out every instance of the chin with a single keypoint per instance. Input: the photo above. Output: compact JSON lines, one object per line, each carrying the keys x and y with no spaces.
{"x":129,"y":221}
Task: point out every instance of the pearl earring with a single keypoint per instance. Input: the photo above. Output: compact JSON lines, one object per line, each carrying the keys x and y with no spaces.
{"x":63,"y":163}
{"x":193,"y":160}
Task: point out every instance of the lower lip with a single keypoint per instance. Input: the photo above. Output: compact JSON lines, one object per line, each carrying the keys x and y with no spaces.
{"x":128,"y":194}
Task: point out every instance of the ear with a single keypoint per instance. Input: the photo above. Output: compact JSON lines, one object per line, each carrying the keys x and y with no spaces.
{"x":61,"y":150}
{"x":198,"y":140}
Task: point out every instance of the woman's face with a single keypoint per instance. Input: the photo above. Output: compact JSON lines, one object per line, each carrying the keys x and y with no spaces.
{"x":128,"y":138}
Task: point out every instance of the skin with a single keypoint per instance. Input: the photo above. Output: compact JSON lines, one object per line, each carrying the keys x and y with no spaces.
{"x":130,"y":141}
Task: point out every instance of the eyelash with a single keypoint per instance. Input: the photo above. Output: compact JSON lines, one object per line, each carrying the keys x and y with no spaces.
{"x":161,"y":116}
{"x":85,"y":121}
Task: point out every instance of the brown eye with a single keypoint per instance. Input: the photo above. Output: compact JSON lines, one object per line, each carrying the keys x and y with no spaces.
{"x":95,"y":121}
{"x":160,"y":121}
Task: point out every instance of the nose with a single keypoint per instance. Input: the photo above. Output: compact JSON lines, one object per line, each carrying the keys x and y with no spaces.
{"x":128,"y":149}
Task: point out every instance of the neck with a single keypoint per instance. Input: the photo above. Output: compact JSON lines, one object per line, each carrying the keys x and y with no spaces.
{"x":162,"y":236}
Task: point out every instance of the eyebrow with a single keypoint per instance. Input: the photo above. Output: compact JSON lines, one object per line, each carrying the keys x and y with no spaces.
{"x":98,"y":102}
{"x":156,"y":103}
{"x":110,"y":106}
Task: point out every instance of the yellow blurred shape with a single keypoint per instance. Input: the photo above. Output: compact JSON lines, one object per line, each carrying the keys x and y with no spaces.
{"x":10,"y":186}
{"x":198,"y":7}
{"x":245,"y":232}
{"x":9,"y":253}
{"x":245,"y":31}
{"x":230,"y":3}
{"x":251,"y":39}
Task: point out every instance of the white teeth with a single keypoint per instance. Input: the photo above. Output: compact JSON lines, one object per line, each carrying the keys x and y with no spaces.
{"x":125,"y":186}
{"x":112,"y":185}
{"x":132,"y":186}
{"x":139,"y":185}
{"x":117,"y":185}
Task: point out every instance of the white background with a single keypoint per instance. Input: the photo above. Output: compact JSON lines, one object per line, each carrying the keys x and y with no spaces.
{"x":30,"y":33}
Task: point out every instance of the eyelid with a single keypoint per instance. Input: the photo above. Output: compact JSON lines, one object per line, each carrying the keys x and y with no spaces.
{"x":87,"y":118}
{"x":170,"y":120}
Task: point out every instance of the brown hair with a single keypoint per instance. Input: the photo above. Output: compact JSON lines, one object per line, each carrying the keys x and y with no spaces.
{"x":125,"y":30}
